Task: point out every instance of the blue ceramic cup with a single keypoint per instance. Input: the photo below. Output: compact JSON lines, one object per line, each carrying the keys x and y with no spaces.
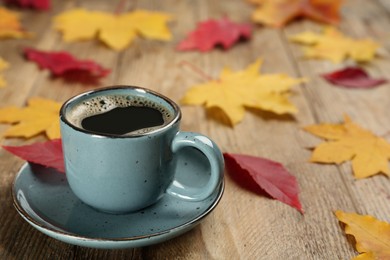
{"x":125,"y":173}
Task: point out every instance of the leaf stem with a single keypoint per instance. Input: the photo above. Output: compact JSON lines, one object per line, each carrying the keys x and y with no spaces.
{"x":119,"y":7}
{"x":385,"y":135}
{"x":196,"y":69}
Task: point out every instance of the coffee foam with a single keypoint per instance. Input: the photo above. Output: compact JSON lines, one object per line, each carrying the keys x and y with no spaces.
{"x":102,"y":104}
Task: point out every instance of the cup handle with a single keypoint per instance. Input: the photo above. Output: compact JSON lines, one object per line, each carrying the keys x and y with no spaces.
{"x":214,"y":156}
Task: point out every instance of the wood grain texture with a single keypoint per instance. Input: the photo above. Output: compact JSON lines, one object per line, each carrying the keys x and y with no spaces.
{"x":244,"y":225}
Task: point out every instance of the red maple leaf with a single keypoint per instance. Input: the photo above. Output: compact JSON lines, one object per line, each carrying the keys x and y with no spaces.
{"x":48,"y":153}
{"x":211,"y":33}
{"x":270,"y":176}
{"x":35,"y":4}
{"x":352,"y":77}
{"x":65,"y":65}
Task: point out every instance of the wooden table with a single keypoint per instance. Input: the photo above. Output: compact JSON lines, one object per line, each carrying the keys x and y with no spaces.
{"x":244,"y":225}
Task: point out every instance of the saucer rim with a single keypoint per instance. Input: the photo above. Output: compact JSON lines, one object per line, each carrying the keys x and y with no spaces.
{"x":220,"y":191}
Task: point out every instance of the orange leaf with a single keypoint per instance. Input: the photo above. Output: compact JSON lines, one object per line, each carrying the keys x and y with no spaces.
{"x":235,"y":91}
{"x":10,"y":26}
{"x":372,"y":236}
{"x":117,"y":31}
{"x":278,"y":13}
{"x":348,"y":141}
{"x":40,"y":116}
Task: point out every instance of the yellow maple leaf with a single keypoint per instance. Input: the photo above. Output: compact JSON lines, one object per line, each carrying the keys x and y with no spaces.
{"x":117,"y":31}
{"x":372,"y":236}
{"x":10,"y":26}
{"x":247,"y":88}
{"x":3,"y":65}
{"x":40,"y":115}
{"x":335,"y":46}
{"x":348,"y":141}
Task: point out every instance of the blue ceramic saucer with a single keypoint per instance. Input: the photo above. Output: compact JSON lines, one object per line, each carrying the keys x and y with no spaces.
{"x":43,"y":198}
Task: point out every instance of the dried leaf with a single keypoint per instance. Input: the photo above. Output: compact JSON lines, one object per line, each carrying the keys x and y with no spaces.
{"x":372,"y":235}
{"x":10,"y":26}
{"x":40,"y":116}
{"x":35,"y":4}
{"x":270,"y":176}
{"x":235,"y":91}
{"x":352,"y":77}
{"x":48,"y":153}
{"x":278,"y":13}
{"x":117,"y":31}
{"x":212,"y":33}
{"x":348,"y":141}
{"x":3,"y":66}
{"x":335,"y":46}
{"x":63,"y":64}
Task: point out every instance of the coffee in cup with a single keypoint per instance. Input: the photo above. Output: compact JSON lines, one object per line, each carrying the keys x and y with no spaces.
{"x":109,"y":114}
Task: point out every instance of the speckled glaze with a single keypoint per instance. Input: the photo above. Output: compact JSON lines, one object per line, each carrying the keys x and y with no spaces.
{"x":43,"y":198}
{"x":120,"y":174}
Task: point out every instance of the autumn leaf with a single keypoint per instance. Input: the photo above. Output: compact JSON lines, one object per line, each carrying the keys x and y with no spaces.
{"x":211,"y":33}
{"x":40,"y":116}
{"x":270,"y":176}
{"x":3,"y":66}
{"x":372,"y":235}
{"x":348,"y":141}
{"x":117,"y":31}
{"x":235,"y":91}
{"x":10,"y":26}
{"x":278,"y":13}
{"x":35,"y":4}
{"x":336,"y":47}
{"x":352,"y":77}
{"x":48,"y":153}
{"x":65,"y":65}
